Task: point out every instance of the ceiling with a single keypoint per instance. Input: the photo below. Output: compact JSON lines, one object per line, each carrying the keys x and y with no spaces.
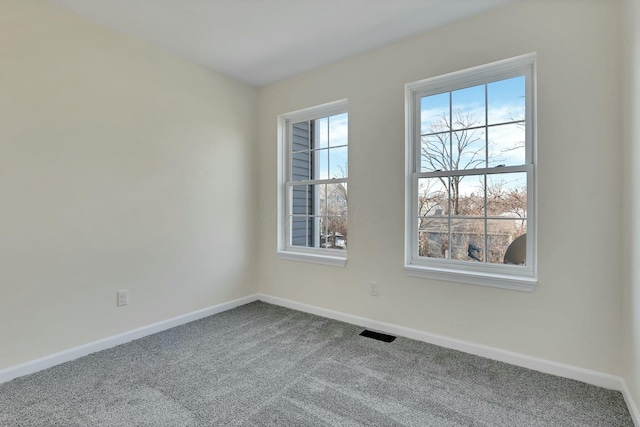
{"x":264,"y":41}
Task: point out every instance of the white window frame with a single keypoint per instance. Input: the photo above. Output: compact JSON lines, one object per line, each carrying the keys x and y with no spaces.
{"x":325,"y":256}
{"x":522,"y":278}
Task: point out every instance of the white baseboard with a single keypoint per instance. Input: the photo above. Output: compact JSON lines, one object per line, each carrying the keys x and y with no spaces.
{"x":588,"y":376}
{"x":633,"y":408}
{"x":102,"y":344}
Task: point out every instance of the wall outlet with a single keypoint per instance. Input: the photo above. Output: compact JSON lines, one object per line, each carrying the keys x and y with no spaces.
{"x":123,"y":297}
{"x":374,"y":287}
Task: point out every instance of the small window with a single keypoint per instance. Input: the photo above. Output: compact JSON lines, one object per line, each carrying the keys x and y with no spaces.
{"x":470,"y":209}
{"x":314,"y":175}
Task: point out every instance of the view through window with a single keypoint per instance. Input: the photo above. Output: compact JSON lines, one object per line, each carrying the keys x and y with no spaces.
{"x":316,"y":186}
{"x":473,"y":203}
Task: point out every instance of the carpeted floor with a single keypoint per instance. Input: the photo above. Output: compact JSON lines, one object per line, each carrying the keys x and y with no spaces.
{"x":263,"y":365}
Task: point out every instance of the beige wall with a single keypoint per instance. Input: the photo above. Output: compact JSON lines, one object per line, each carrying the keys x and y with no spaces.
{"x":574,"y":314}
{"x":120,"y":168}
{"x":631,"y":306}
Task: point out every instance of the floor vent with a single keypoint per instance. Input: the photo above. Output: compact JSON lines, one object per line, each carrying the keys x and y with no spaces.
{"x":377,"y":336}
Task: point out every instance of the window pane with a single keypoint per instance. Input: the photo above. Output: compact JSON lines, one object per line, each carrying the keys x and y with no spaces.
{"x":468,"y":107}
{"x":338,"y":130}
{"x":467,"y":195}
{"x":469,"y":149}
{"x":302,"y":230}
{"x":333,"y":232}
{"x":322,"y":171}
{"x":433,"y":197}
{"x":330,"y":203}
{"x":321,"y":133}
{"x":507,"y":145}
{"x":506,"y":100}
{"x":300,"y":136}
{"x":301,"y":199}
{"x":301,"y":166}
{"x":433,"y":222}
{"x":434,"y":113}
{"x":507,"y":195}
{"x":467,"y":240}
{"x":338,"y":163}
{"x":433,"y":238}
{"x":435,"y":152}
{"x":333,"y":199}
{"x":503,"y":243}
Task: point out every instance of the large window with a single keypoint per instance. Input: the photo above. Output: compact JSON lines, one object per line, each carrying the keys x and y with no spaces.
{"x":470,"y":176}
{"x":313,"y":184}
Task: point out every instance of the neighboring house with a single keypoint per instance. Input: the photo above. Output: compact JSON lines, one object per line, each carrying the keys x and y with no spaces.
{"x":434,"y":238}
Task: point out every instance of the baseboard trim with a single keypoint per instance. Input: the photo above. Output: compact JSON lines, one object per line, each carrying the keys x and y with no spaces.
{"x":600,"y":379}
{"x":633,"y":408}
{"x":45,"y":362}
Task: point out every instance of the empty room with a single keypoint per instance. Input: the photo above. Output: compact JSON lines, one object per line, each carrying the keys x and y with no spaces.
{"x":320,"y":213}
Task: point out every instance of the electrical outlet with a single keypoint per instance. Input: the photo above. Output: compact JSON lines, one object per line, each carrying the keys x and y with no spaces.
{"x":123,"y":297}
{"x":374,"y":288}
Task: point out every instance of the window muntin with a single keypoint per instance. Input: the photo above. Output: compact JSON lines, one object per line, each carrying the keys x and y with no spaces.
{"x":470,"y":177}
{"x":315,"y":182}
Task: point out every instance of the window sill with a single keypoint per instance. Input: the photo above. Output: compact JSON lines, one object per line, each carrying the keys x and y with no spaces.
{"x":334,"y":261}
{"x":512,"y":282}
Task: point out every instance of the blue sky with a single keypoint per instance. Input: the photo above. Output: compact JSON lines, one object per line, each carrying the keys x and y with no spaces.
{"x":505,"y":103}
{"x":333,"y":133}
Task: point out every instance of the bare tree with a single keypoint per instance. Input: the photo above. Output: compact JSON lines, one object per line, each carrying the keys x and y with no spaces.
{"x":334,"y":197}
{"x":445,"y":150}
{"x":502,"y":200}
{"x":432,"y":203}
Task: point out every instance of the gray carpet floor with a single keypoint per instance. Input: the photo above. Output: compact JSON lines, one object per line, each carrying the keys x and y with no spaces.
{"x":263,"y":365}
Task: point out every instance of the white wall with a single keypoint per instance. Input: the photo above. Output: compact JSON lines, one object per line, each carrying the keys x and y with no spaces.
{"x":574,"y":314}
{"x":631,"y":307}
{"x":121,"y":167}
